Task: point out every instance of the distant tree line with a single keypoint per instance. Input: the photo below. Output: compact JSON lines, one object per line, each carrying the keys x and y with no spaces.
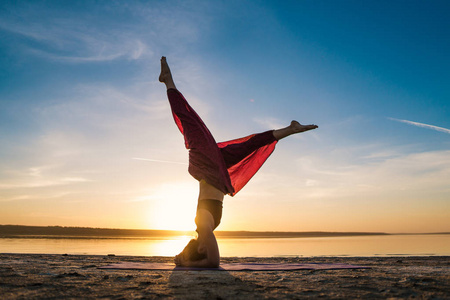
{"x":18,"y":231}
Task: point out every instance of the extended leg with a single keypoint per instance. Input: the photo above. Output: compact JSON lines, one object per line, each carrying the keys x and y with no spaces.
{"x":166,"y":75}
{"x":235,"y":151}
{"x":295,"y":127}
{"x":195,"y":132}
{"x":205,"y":158}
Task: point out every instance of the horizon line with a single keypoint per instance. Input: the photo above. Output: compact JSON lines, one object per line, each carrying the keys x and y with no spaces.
{"x":224,"y":231}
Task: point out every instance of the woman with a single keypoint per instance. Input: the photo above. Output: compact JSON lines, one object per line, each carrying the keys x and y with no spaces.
{"x":221,"y":168}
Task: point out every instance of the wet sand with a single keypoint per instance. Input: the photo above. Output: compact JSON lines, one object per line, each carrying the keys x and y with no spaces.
{"x":35,"y":276}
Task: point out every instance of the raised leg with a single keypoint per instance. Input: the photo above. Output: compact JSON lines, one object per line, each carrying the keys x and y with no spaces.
{"x":204,"y":155}
{"x":166,"y":76}
{"x":295,"y":127}
{"x":236,"y":150}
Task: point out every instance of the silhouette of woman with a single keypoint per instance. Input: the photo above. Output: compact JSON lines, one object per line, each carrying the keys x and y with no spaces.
{"x":221,"y":168}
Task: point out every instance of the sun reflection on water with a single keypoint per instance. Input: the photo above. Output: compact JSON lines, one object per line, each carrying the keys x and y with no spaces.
{"x":169,"y":247}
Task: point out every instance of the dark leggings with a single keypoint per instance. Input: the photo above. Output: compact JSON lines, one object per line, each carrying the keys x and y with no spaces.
{"x":214,"y":207}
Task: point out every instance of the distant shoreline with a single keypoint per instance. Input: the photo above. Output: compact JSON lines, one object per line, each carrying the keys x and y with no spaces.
{"x":23,"y":231}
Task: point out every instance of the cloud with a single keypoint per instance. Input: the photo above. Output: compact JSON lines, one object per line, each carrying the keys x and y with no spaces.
{"x":42,"y":183}
{"x":86,"y":141}
{"x":102,"y":33}
{"x":59,"y":34}
{"x":269,"y":122}
{"x":73,"y":43}
{"x":441,"y":129}
{"x":160,"y":161}
{"x":401,"y":176}
{"x":37,"y":177}
{"x":355,"y":176}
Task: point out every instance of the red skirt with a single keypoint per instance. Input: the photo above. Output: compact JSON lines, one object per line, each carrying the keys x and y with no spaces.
{"x":227,"y":166}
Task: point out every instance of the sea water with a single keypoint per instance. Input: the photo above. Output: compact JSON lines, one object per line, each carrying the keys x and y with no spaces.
{"x":383,"y":245}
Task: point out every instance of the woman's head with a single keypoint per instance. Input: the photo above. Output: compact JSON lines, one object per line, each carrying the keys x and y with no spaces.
{"x":190,"y":252}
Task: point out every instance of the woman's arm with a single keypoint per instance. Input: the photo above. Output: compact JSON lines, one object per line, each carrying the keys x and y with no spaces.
{"x":207,"y":239}
{"x":212,"y":259}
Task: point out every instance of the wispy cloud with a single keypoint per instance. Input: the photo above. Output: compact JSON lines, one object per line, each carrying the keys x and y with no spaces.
{"x":95,"y":35}
{"x":37,"y":177}
{"x":43,"y":183}
{"x":394,"y":177}
{"x":62,"y":35}
{"x":160,"y":161}
{"x":441,"y":129}
{"x":269,"y":122}
{"x":71,"y":42}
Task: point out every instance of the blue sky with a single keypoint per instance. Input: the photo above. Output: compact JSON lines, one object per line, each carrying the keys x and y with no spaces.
{"x":80,"y":101}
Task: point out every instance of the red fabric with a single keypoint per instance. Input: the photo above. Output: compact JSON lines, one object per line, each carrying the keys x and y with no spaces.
{"x":228,"y":166}
{"x":261,"y":147}
{"x":205,"y":159}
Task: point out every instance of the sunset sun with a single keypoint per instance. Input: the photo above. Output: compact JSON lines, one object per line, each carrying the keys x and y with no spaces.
{"x":173,"y":207}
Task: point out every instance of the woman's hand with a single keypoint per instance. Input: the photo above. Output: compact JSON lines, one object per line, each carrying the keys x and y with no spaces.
{"x":178,"y":260}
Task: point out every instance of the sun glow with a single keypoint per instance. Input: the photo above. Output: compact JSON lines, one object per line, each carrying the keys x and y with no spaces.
{"x":174,"y":207}
{"x":170,"y":247}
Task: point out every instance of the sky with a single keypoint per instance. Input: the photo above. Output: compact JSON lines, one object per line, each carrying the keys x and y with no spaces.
{"x":88,"y":139}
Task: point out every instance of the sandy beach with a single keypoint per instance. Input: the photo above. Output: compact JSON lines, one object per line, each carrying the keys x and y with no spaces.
{"x":36,"y":276}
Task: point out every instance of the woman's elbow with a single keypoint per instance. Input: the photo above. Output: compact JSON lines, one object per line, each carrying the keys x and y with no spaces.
{"x":214,"y":262}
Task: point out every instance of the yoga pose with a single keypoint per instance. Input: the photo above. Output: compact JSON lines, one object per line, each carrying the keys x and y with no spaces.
{"x":221,"y":168}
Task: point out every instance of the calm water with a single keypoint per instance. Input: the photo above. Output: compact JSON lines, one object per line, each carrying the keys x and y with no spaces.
{"x":392,"y":245}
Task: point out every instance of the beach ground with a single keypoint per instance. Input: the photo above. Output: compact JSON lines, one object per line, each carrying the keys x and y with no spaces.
{"x":36,"y":276}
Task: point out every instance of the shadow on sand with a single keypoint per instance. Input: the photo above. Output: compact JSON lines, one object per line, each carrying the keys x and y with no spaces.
{"x":209,"y":284}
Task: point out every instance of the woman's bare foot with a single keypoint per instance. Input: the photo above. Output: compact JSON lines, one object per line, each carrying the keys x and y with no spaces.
{"x":165,"y":70}
{"x":166,"y":75}
{"x":297,"y":127}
